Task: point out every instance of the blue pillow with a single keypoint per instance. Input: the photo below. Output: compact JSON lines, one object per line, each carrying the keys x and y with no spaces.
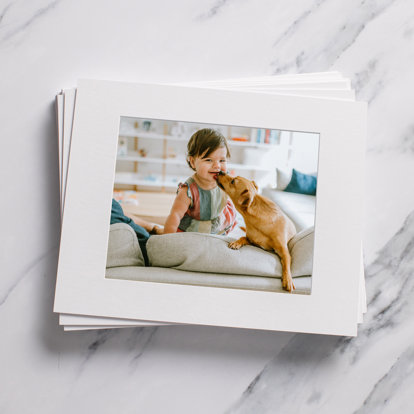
{"x":302,"y":183}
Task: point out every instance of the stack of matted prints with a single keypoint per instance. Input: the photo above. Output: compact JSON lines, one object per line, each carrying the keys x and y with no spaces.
{"x":295,"y":136}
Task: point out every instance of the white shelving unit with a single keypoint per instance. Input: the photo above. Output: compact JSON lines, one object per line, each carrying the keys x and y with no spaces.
{"x":135,"y":179}
{"x":135,"y":157}
{"x":161,"y":171}
{"x":142,"y":134}
{"x":169,"y":161}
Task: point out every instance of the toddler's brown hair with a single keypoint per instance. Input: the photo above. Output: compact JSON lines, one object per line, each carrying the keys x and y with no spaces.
{"x":205,"y":141}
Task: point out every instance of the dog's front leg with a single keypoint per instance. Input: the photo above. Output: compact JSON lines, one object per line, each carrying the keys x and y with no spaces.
{"x":243,"y":241}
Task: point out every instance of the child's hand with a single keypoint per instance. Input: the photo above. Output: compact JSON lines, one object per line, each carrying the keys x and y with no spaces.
{"x":157,"y":230}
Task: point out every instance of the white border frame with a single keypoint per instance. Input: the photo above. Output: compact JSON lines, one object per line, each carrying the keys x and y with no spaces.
{"x":69,"y":106}
{"x":81,"y":286}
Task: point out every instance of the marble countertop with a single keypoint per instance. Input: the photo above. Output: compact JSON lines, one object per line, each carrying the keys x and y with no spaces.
{"x":46,"y":46}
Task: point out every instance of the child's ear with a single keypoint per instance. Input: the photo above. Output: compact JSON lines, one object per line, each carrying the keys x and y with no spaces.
{"x":191,"y":161}
{"x":245,"y":198}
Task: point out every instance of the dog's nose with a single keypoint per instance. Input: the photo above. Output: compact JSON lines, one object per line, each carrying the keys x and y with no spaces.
{"x":222,"y":172}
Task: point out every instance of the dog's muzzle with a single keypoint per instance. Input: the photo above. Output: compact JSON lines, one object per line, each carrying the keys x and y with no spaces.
{"x":217,"y":179}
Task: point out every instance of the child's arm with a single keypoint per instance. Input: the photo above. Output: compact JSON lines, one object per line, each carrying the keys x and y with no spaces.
{"x":180,"y":206}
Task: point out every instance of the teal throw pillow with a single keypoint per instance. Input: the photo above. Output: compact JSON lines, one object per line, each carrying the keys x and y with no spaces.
{"x":302,"y":183}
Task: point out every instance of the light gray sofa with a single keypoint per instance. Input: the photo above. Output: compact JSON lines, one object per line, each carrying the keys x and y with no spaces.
{"x":299,"y":207}
{"x":205,"y":260}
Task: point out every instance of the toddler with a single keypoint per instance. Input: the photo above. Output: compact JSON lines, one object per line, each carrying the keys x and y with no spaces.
{"x":200,"y":205}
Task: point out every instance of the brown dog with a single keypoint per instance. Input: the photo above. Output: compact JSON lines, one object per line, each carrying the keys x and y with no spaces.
{"x":266,"y":224}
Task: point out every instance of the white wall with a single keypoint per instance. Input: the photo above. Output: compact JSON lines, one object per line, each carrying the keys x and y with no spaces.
{"x":304,"y":151}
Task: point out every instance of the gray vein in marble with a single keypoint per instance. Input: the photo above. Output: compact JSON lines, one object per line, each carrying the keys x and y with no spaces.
{"x":144,"y":338}
{"x":137,"y":342}
{"x":408,"y":32}
{"x":381,"y":395}
{"x":26,"y":24}
{"x":304,"y":361}
{"x":213,"y":10}
{"x":367,"y":18}
{"x":4,"y":12}
{"x":290,"y":31}
{"x":362,"y":78}
{"x":275,"y":385}
{"x":101,"y":337}
{"x":408,"y":139}
{"x":340,"y":41}
{"x":4,"y":296}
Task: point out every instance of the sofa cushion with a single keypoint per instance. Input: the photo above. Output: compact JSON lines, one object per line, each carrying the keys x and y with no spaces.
{"x":123,"y":247}
{"x":302,"y":183}
{"x":209,"y":253}
{"x":300,"y":208}
{"x":283,"y":177}
{"x":206,"y":253}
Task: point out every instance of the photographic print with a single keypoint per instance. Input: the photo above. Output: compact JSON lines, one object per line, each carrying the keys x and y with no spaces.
{"x":224,"y":206}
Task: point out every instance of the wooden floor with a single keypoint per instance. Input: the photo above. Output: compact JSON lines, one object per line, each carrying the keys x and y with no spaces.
{"x":153,"y":207}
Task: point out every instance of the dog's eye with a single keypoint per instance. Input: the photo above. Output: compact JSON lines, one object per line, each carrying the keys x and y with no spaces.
{"x":232,"y":181}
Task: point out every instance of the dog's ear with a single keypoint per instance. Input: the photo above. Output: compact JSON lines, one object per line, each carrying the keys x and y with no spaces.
{"x":255,"y":186}
{"x":245,"y":198}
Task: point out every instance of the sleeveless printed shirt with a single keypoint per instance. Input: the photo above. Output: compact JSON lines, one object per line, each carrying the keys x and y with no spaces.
{"x":210,"y":211}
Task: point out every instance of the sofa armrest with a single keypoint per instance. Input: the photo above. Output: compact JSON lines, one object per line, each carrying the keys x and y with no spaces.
{"x":301,"y":248}
{"x":123,"y":247}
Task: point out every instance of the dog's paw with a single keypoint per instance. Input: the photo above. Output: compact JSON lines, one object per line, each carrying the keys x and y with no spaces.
{"x":235,"y":245}
{"x":287,"y":283}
